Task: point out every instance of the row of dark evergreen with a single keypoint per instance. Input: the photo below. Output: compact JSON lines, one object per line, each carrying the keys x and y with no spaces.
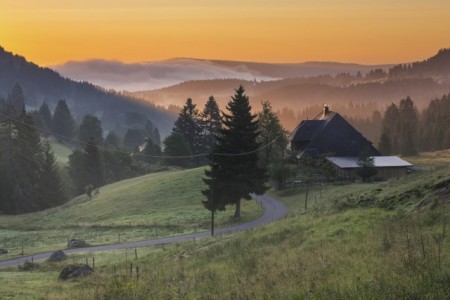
{"x":239,"y":146}
{"x":405,"y":131}
{"x":193,"y":134}
{"x":29,"y":178}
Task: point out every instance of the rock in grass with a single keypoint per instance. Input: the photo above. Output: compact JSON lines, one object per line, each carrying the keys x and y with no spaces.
{"x":75,"y":271}
{"x":76,"y":243}
{"x":57,"y":256}
{"x":3,"y":251}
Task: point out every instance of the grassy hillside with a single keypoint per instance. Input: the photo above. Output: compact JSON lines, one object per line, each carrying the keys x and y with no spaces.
{"x":61,"y":152}
{"x":385,"y":240}
{"x":157,"y":204}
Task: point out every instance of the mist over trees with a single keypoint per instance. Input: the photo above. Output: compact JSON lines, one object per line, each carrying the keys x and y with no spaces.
{"x":43,"y":84}
{"x":29,"y":178}
{"x":406,"y":131}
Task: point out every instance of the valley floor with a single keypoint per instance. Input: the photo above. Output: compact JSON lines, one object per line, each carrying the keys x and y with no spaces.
{"x":385,"y":240}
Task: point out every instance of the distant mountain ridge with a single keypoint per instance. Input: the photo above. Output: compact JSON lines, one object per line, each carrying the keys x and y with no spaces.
{"x":43,"y":84}
{"x":422,"y":81}
{"x":154,"y":75}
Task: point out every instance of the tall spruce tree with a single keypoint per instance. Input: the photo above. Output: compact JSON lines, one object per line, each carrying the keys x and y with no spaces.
{"x":94,"y":164}
{"x":210,"y":125}
{"x":77,"y":170}
{"x":384,"y":145}
{"x":16,"y":99}
{"x":177,"y":151}
{"x":433,"y":135}
{"x":407,"y":127}
{"x":151,"y":153}
{"x":26,"y":164}
{"x":51,"y":192}
{"x":112,"y":141}
{"x":91,"y":128}
{"x":272,"y":136}
{"x":7,"y":178}
{"x":235,"y":172}
{"x":63,"y":122}
{"x":390,"y":130}
{"x":187,"y":124}
{"x":46,"y":116}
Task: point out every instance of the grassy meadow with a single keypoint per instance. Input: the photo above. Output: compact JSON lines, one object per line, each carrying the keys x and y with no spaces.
{"x":154,"y":205}
{"x":383,"y":240}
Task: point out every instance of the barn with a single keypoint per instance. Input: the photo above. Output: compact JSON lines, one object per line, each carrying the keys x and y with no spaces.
{"x":330,"y":135}
{"x":387,"y":167}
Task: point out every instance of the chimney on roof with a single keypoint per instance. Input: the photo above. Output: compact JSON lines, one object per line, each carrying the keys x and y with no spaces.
{"x":326,"y":110}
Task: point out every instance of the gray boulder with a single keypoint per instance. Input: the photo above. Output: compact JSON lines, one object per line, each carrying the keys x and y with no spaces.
{"x":3,"y":251}
{"x":76,"y":243}
{"x":57,"y":256}
{"x":75,"y":271}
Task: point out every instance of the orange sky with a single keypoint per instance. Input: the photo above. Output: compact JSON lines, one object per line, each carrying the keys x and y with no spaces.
{"x":384,"y":31}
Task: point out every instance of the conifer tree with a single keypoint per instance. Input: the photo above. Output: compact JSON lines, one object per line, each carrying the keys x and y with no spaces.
{"x":112,"y":141}
{"x":407,"y":127}
{"x":187,"y":124}
{"x":210,"y":124}
{"x":384,"y":145}
{"x":63,"y":122}
{"x":235,"y":172}
{"x":16,"y":99}
{"x":94,"y":165}
{"x":46,"y":116}
{"x":132,"y":138}
{"x":366,"y":165}
{"x":77,"y":170}
{"x":91,"y":128}
{"x":151,"y":152}
{"x":390,"y":128}
{"x":51,"y":191}
{"x":177,"y":151}
{"x":272,"y":135}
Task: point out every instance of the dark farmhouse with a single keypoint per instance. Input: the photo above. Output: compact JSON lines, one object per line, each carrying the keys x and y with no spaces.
{"x":329,"y":134}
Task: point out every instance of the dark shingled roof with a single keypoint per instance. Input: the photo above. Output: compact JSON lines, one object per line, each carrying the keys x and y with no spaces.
{"x":329,"y":133}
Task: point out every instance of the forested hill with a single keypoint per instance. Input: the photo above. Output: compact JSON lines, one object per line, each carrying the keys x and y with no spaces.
{"x":436,"y":66}
{"x":375,"y":90}
{"x":43,"y":84}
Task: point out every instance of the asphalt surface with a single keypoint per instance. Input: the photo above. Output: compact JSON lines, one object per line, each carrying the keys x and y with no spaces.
{"x":273,"y":210}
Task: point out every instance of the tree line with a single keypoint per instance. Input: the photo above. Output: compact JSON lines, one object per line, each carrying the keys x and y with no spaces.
{"x":405,"y":131}
{"x":240,"y":148}
{"x":29,"y":177}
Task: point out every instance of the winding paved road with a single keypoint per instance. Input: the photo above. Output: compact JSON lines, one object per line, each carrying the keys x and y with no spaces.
{"x":273,"y":210}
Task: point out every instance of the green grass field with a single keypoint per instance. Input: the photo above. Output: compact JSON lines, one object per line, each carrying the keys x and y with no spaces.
{"x":155,"y":205}
{"x":61,"y":151}
{"x":386,"y":240}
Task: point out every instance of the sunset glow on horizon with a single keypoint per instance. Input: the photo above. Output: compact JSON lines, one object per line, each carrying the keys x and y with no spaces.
{"x":51,"y":32}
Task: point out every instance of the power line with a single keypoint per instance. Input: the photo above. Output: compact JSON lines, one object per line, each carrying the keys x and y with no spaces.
{"x":145,"y":155}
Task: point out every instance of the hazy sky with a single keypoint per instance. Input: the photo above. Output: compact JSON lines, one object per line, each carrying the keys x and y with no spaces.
{"x":383,"y":31}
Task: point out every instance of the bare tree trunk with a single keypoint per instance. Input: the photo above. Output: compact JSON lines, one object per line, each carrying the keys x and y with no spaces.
{"x":237,"y":212}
